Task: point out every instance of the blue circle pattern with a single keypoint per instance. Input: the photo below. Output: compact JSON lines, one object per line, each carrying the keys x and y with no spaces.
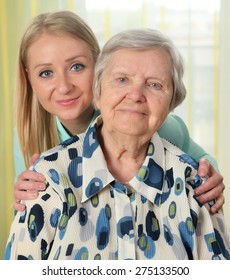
{"x":55,"y":217}
{"x":90,"y":143}
{"x":75,"y":176}
{"x":125,"y":227}
{"x":147,"y":228}
{"x":102,"y":229}
{"x":153,"y":174}
{"x":94,"y":186}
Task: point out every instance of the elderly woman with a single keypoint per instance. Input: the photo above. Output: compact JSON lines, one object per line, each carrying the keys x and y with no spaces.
{"x":120,"y":191}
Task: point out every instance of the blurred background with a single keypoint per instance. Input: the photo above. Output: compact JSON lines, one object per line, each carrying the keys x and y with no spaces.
{"x":200,"y":29}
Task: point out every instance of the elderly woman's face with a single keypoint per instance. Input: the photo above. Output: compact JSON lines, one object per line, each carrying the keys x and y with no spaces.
{"x":136,"y":91}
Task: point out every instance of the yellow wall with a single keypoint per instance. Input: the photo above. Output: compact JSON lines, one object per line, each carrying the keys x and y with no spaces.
{"x":8,"y":37}
{"x":14,"y":16}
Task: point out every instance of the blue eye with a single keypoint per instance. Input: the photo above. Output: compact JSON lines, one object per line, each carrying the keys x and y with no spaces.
{"x":77,"y":67}
{"x":122,"y":80}
{"x":155,"y":86}
{"x":46,"y":74}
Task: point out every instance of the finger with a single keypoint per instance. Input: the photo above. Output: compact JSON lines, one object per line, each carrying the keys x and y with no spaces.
{"x":212,"y":194}
{"x":218,"y":204}
{"x":30,"y":175}
{"x":204,"y":166}
{"x":28,"y":195}
{"x":205,"y":187}
{"x":34,"y":158}
{"x":29,"y":186}
{"x":213,"y":182}
{"x":19,"y":206}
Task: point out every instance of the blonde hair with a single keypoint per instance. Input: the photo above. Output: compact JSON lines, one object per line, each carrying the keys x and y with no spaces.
{"x":37,"y":130}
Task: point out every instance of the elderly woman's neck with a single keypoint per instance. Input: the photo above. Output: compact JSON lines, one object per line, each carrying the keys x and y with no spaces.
{"x":124,"y":154}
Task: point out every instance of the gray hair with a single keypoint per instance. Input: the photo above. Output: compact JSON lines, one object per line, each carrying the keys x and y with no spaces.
{"x":145,"y":38}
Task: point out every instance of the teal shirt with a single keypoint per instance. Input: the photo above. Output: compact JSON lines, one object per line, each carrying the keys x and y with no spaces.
{"x":174,"y":130}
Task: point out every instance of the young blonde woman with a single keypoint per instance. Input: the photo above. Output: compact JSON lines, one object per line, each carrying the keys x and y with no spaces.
{"x":56,"y":62}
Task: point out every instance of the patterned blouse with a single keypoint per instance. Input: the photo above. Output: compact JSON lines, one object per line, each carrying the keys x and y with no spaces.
{"x":86,"y":214}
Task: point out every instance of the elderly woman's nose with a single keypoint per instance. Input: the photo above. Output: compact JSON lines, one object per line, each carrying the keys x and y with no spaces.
{"x":136,"y":92}
{"x":64,"y":84}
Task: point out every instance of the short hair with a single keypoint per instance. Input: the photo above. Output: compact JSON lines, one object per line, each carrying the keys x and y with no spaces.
{"x":145,"y":38}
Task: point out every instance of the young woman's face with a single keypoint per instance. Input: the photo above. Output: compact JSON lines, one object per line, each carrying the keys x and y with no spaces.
{"x":60,"y":70}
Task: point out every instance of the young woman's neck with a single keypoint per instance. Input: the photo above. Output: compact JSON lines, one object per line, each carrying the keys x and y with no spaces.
{"x":80,"y":124}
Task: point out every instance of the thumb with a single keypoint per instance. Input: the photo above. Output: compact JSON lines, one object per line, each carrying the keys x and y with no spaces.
{"x":204,"y":167}
{"x":34,"y":158}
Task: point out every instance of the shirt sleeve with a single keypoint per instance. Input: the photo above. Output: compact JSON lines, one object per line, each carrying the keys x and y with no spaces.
{"x":19,"y":164}
{"x":176,"y":132}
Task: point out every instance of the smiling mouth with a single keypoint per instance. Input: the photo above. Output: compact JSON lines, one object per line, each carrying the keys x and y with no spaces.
{"x":67,"y":102}
{"x":132,"y":111}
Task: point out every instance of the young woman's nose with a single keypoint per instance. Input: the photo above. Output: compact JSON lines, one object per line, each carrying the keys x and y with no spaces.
{"x":64,"y":84}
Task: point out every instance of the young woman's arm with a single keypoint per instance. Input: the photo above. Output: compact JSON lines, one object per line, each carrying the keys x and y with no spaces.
{"x":28,"y":183}
{"x":176,"y":132}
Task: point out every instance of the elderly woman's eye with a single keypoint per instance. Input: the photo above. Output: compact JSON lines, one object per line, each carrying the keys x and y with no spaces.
{"x":122,"y":79}
{"x":155,"y":86}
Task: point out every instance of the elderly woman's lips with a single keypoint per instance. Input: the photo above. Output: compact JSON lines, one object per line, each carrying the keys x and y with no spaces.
{"x":133,"y":111}
{"x":67,"y":102}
